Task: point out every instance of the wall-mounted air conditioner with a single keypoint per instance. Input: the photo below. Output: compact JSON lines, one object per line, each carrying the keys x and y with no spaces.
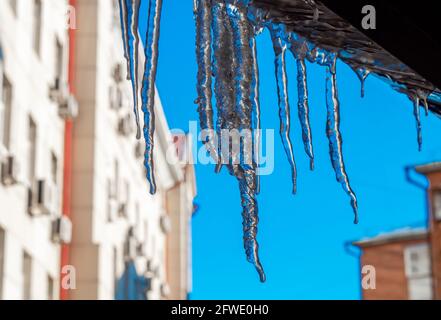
{"x":68,"y":108}
{"x":165,"y":223}
{"x":123,"y":211}
{"x":112,"y":210}
{"x":125,"y":126}
{"x":62,"y":230}
{"x":139,"y":149}
{"x":130,"y":249}
{"x":9,"y":171}
{"x":42,"y":196}
{"x":165,"y":290}
{"x":59,"y":91}
{"x":141,"y":250}
{"x":115,"y":98}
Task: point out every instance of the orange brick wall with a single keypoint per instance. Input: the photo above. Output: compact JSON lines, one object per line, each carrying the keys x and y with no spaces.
{"x":388,"y":260}
{"x":435,"y":229}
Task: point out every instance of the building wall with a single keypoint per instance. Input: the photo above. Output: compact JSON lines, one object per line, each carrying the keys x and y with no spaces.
{"x":391,"y":279}
{"x":104,"y":161}
{"x":30,"y":74}
{"x":435,"y":230}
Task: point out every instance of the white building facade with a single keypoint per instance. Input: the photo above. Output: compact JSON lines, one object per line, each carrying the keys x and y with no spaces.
{"x":33,"y":39}
{"x":116,"y":223}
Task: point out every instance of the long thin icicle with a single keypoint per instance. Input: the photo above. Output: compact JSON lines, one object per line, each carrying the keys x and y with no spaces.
{"x":148,"y":87}
{"x":284,"y":109}
{"x":250,"y":217}
{"x":243,"y":87}
{"x":223,"y":73}
{"x":255,"y":100}
{"x":303,"y":106}
{"x":131,"y":29}
{"x":333,"y":131}
{"x":203,"y":17}
{"x":417,"y":114}
{"x":124,"y":27}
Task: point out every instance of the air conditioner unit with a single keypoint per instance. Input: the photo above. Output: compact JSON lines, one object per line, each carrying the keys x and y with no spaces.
{"x":42,"y":197}
{"x":68,"y":109}
{"x":9,"y":171}
{"x":165,"y":223}
{"x":123,"y":210}
{"x":130,"y":249}
{"x":139,"y":150}
{"x":62,"y":230}
{"x":125,"y":126}
{"x":59,"y":91}
{"x":417,"y":261}
{"x":117,"y":73}
{"x":141,"y":250}
{"x":115,"y":98}
{"x":113,"y":210}
{"x":165,"y":290}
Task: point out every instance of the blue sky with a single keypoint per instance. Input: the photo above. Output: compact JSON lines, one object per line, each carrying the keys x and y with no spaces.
{"x":301,"y":237}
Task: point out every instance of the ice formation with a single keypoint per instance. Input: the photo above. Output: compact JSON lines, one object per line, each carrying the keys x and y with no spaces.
{"x":227,"y":65}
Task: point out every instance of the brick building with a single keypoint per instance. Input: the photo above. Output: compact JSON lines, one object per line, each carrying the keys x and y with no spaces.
{"x":408,"y":261}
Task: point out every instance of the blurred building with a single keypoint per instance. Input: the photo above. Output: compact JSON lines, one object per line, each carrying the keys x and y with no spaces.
{"x":74,"y":197}
{"x":407,"y":262}
{"x":34,"y":44}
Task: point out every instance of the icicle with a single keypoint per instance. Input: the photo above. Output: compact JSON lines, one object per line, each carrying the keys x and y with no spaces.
{"x":148,"y":87}
{"x":362,"y":74}
{"x":132,"y":50}
{"x":203,"y":17}
{"x":124,"y":31}
{"x":255,"y":99}
{"x":222,"y":67}
{"x":250,"y":216}
{"x":333,"y":131}
{"x":416,"y":112}
{"x":284,"y":109}
{"x":243,"y":68}
{"x":304,"y":110}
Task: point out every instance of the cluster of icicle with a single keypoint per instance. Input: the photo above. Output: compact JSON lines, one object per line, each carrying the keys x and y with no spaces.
{"x":227,"y":65}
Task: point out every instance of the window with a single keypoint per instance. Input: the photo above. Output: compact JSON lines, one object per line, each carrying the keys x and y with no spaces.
{"x":37,"y":26}
{"x":5,"y":111}
{"x":27,"y":276}
{"x":50,"y":288}
{"x":2,"y":259}
{"x":32,"y":150}
{"x":418,"y":271}
{"x":54,"y":168}
{"x":437,"y":204}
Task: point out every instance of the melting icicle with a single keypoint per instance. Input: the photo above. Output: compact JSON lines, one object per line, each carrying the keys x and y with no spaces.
{"x":304,"y":110}
{"x":255,"y":99}
{"x":362,"y":74}
{"x":333,"y":131}
{"x":203,"y":17}
{"x":250,"y":216}
{"x":148,"y":87}
{"x":131,"y":31}
{"x":224,"y":67}
{"x":243,"y":89}
{"x":416,"y":112}
{"x":284,"y":109}
{"x":124,"y":26}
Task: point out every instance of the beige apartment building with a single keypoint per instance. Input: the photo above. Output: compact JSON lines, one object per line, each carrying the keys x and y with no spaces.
{"x":74,"y":193}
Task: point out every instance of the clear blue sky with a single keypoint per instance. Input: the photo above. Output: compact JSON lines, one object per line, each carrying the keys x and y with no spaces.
{"x":301,"y":237}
